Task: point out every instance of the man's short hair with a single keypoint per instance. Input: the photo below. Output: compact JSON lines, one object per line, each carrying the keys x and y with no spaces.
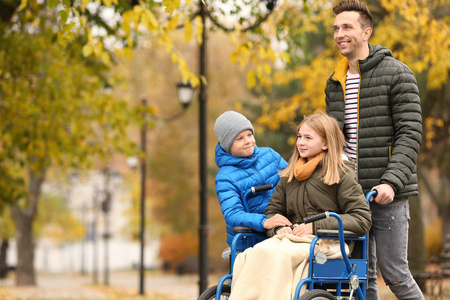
{"x":365,"y":18}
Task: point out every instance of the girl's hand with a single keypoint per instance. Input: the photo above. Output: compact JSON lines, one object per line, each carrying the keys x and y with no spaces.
{"x":302,"y":229}
{"x":276,"y":220}
{"x":285,"y":230}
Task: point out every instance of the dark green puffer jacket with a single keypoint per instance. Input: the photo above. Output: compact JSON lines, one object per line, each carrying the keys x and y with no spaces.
{"x":389,"y":120}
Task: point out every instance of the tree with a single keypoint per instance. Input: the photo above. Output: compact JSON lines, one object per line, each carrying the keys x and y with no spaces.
{"x":55,"y":112}
{"x":291,"y":45}
{"x":7,"y":231}
{"x":64,"y":108}
{"x":418,"y":34}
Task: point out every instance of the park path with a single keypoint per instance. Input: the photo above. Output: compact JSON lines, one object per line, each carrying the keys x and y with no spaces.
{"x":123,"y":285}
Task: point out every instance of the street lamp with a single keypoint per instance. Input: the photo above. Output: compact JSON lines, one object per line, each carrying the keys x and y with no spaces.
{"x":185,"y":94}
{"x":203,"y":99}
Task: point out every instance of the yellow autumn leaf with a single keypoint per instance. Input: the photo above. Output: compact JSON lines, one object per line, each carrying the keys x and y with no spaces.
{"x":187,"y":31}
{"x":87,"y":50}
{"x":173,"y":23}
{"x":23,"y":4}
{"x":84,"y":3}
{"x":106,"y":59}
{"x":233,"y":57}
{"x":83,"y":21}
{"x":251,"y":80}
{"x":267,"y":69}
{"x":127,"y":52}
{"x":169,"y":6}
{"x":149,"y":19}
{"x":199,"y":29}
{"x":174,"y":57}
{"x":233,"y":37}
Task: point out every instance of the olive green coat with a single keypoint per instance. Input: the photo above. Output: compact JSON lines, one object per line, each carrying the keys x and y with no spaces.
{"x":299,"y":199}
{"x":389,"y":131}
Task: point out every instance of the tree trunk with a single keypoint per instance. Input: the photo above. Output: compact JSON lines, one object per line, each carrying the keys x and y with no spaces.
{"x":25,"y":274}
{"x":24,"y":215}
{"x":3,"y":265}
{"x":416,"y":243}
{"x":440,"y":195}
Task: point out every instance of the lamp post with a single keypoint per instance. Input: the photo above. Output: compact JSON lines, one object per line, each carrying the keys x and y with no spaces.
{"x":106,"y":207}
{"x":202,"y":98}
{"x":185,"y":94}
{"x":142,"y":208}
{"x":94,"y":236}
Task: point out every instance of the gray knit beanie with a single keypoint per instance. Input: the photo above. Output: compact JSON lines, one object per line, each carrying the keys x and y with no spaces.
{"x":227,"y":127}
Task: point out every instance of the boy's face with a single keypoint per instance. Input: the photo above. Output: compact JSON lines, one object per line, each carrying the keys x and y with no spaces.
{"x":244,"y":144}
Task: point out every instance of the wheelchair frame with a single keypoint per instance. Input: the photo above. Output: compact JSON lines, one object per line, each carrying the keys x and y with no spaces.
{"x":326,"y":280}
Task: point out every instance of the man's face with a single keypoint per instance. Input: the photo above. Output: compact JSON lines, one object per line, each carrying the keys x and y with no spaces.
{"x":349,"y":36}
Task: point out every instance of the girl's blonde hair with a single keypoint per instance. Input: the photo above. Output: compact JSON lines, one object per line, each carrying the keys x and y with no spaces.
{"x":327,"y":128}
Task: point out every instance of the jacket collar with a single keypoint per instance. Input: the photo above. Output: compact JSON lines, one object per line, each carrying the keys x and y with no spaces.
{"x":224,"y":158}
{"x":340,"y":73}
{"x":376,"y":54}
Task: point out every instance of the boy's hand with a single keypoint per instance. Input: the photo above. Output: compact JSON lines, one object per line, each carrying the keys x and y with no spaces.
{"x":276,"y":220}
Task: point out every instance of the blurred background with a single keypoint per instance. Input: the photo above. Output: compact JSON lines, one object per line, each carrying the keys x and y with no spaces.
{"x":75,"y":131}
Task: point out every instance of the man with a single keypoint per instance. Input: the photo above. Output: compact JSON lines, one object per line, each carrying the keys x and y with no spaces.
{"x":376,"y":101}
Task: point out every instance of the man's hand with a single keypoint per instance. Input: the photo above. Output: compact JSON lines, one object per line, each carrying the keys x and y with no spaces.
{"x":276,"y":220}
{"x":385,"y":194}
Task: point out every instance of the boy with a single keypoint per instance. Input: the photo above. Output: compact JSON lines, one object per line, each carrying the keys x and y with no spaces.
{"x":243,"y":165}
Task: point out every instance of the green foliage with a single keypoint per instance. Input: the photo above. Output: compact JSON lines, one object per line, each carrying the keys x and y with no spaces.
{"x":7,"y":229}
{"x":416,"y":31}
{"x":56,"y":220}
{"x":54,"y":106}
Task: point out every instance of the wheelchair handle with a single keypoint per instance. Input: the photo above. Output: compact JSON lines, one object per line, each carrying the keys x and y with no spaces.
{"x":373,"y":193}
{"x":316,"y":217}
{"x":266,"y":187}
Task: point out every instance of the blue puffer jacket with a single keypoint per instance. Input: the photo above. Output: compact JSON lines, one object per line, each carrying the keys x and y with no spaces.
{"x":234,"y":180}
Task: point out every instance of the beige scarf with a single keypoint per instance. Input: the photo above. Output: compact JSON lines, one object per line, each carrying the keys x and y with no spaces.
{"x":304,"y":169}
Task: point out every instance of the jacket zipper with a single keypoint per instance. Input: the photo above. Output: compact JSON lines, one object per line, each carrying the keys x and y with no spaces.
{"x":390,"y":146}
{"x":357,"y":124}
{"x":259,"y":175}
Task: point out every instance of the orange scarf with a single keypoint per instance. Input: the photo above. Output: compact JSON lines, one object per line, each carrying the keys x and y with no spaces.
{"x":304,"y":169}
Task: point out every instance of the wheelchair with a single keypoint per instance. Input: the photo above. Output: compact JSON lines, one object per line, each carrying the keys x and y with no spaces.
{"x":328,"y":279}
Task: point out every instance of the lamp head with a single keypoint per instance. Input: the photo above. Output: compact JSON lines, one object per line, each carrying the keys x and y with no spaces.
{"x":185,"y":93}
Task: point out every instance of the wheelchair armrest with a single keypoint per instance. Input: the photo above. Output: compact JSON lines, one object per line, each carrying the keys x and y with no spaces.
{"x":335,"y":233}
{"x":243,"y":229}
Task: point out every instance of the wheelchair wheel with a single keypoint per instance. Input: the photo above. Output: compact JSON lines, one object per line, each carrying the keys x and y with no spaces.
{"x":210,"y":293}
{"x":317,"y":295}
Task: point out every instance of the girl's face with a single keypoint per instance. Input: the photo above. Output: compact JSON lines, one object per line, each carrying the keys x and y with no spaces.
{"x":309,"y":143}
{"x":244,"y":144}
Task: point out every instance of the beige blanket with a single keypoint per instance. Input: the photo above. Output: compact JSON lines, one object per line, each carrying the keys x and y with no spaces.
{"x":271,"y":269}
